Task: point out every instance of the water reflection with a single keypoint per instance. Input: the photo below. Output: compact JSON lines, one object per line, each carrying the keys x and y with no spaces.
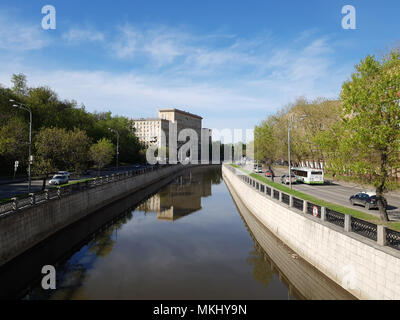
{"x":179,"y":199}
{"x":212,"y":250}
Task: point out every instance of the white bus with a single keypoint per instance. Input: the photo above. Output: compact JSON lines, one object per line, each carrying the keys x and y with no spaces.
{"x":309,"y":175}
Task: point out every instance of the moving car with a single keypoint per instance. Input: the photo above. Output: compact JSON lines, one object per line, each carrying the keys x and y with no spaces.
{"x":285,"y":179}
{"x":64,"y":173}
{"x":269,"y":174}
{"x":366,"y":199}
{"x":59,"y":179}
{"x":257,"y":168}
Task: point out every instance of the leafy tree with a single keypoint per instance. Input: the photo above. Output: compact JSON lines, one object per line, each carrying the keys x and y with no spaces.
{"x":19,"y":84}
{"x":14,"y":135}
{"x":59,"y":149}
{"x":102,"y":153}
{"x":371,"y":121}
{"x":265,"y":143}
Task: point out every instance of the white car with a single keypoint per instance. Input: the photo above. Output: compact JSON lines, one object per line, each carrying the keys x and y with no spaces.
{"x":64,"y":173}
{"x":59,"y":179}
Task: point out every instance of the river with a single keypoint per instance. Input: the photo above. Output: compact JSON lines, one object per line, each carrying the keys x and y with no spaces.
{"x":189,"y":240}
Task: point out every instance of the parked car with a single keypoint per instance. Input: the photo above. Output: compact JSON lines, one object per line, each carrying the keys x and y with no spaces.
{"x":59,"y":179}
{"x":269,"y":174}
{"x":285,"y":179}
{"x":366,"y":199}
{"x":64,"y":173}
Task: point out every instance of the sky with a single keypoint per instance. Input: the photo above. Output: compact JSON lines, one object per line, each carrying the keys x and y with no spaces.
{"x":232,"y":62}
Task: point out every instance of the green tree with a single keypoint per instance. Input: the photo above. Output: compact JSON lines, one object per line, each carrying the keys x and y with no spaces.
{"x":371,"y":121}
{"x":102,"y":153}
{"x":19,"y":84}
{"x":60,"y":149}
{"x":265,"y":143}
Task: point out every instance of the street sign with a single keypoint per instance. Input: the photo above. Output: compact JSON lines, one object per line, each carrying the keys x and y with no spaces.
{"x":315,"y":211}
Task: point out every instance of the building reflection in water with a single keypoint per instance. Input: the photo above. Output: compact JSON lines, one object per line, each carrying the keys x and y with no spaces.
{"x":179,"y":199}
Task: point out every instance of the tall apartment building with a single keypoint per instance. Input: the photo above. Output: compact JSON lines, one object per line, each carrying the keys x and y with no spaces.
{"x":148,"y":131}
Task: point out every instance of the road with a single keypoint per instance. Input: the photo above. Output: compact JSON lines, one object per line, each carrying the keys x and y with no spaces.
{"x":340,"y":194}
{"x":19,"y":188}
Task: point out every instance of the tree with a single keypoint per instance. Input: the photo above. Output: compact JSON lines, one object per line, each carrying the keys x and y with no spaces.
{"x":13,"y":138}
{"x":371,"y":121}
{"x":102,"y":153}
{"x":59,"y":149}
{"x":19,"y":84}
{"x":265,"y":143}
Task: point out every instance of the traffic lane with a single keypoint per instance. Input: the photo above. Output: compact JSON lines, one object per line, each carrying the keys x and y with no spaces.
{"x":340,"y":194}
{"x":345,"y":191}
{"x":16,"y":189}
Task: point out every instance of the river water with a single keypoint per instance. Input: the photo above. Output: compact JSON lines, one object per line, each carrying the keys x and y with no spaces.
{"x":189,"y":240}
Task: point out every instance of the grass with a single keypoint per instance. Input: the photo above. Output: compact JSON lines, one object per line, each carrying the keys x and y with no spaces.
{"x":336,"y":207}
{"x":76,"y":182}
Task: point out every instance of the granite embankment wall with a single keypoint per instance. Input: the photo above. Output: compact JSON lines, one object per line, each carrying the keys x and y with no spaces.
{"x":23,"y":228}
{"x":361,"y":266}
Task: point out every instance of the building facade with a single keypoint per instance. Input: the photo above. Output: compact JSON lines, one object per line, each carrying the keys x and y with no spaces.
{"x":149,"y":131}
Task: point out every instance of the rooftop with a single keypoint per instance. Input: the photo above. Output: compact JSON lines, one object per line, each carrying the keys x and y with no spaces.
{"x":181,"y":111}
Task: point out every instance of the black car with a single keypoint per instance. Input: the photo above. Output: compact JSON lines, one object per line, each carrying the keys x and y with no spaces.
{"x":368,"y":200}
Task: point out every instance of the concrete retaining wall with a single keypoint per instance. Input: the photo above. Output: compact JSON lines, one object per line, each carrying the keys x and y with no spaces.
{"x":360,"y":266}
{"x":25,"y":228}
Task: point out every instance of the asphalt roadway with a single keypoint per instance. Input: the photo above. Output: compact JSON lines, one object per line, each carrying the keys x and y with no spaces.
{"x":340,"y":193}
{"x":13,"y":189}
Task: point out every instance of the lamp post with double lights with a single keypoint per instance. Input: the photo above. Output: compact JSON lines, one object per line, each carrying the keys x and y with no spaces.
{"x":25,"y":107}
{"x":117,"y":133}
{"x":290,"y":121}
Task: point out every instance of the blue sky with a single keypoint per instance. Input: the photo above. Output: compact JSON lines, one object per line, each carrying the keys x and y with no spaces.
{"x":233,"y":62}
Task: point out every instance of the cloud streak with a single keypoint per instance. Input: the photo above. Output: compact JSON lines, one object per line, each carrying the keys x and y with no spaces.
{"x":231,"y":81}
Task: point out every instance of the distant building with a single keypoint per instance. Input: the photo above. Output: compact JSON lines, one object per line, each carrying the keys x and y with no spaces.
{"x":149,"y":131}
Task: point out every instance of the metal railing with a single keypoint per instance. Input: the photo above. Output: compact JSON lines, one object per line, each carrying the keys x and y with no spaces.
{"x":393,"y":239}
{"x":298,"y":203}
{"x":285,"y":198}
{"x":38,"y":198}
{"x":361,"y":227}
{"x":334,"y":217}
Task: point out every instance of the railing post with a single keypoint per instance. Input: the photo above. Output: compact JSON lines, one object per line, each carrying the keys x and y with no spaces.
{"x":305,"y":206}
{"x":59,"y":192}
{"x":347,"y":223}
{"x":15,"y":204}
{"x":323,"y":213}
{"x":33,"y":198}
{"x":280,"y":196}
{"x":381,"y":235}
{"x":291,"y":201}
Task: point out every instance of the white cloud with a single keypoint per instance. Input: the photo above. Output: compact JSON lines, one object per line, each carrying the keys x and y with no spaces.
{"x":77,"y":35}
{"x":233,"y":82}
{"x":19,"y":37}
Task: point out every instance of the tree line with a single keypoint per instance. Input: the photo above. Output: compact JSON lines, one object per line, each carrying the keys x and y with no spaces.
{"x":65,"y":135}
{"x":357,"y":134}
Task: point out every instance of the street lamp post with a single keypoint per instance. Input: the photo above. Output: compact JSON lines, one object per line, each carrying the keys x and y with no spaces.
{"x":117,"y":133}
{"x":24,"y":107}
{"x":290,"y":121}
